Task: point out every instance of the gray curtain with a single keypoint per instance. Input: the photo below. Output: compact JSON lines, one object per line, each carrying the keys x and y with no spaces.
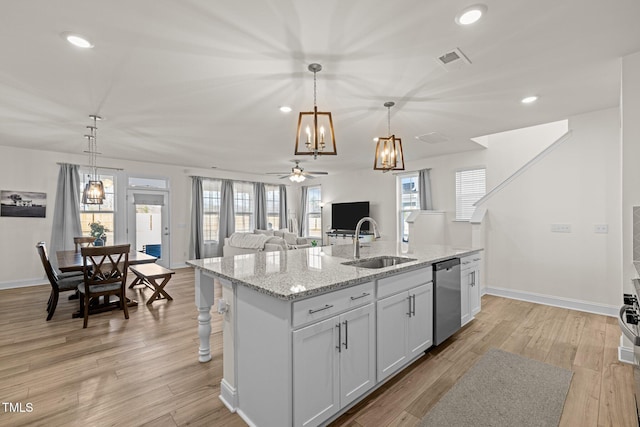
{"x":260,"y":197}
{"x":66,"y":213}
{"x":227,"y":223}
{"x":424,"y":188}
{"x":302,"y":221}
{"x":196,"y":247}
{"x":284,"y":222}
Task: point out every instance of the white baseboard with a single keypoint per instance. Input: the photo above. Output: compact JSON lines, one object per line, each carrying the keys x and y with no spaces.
{"x":228,"y":395}
{"x":625,"y":354}
{"x":24,"y":283}
{"x":179,"y":265}
{"x":572,"y":304}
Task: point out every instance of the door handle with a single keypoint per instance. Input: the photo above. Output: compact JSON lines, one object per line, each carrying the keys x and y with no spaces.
{"x":339,"y":346}
{"x":409,"y":313}
{"x":473,"y":278}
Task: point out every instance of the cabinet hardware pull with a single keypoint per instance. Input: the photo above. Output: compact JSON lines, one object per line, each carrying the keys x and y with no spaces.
{"x":364,"y":294}
{"x":409,"y":313}
{"x":346,"y":335}
{"x":339,"y":347}
{"x":320,"y":309}
{"x":413,"y":311}
{"x":473,"y":278}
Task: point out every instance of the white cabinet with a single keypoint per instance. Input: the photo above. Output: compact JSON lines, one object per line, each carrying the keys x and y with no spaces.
{"x":470,"y":287}
{"x":404,"y":328}
{"x":333,"y":364}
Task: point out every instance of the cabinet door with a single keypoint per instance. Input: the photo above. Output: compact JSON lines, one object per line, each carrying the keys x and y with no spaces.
{"x":420,"y":323}
{"x":465,"y":288}
{"x":357,"y":356}
{"x":315,"y":372}
{"x":474,"y":291}
{"x":392,"y":315}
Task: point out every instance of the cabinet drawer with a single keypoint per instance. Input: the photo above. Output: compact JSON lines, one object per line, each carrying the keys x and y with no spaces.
{"x":404,"y":281}
{"x":332,"y":303}
{"x":469,"y":260}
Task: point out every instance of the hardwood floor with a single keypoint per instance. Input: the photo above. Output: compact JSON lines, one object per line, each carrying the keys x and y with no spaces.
{"x":144,"y":371}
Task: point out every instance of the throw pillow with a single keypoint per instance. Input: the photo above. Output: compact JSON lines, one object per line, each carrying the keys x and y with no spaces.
{"x":291,"y":238}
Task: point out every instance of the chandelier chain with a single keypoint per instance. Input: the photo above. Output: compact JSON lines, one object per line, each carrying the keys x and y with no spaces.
{"x":314,"y":89}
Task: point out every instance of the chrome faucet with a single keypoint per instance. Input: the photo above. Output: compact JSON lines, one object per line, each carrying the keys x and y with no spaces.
{"x":356,"y":238}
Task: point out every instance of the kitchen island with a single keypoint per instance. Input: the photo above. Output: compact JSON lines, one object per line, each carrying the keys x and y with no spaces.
{"x":306,"y":336}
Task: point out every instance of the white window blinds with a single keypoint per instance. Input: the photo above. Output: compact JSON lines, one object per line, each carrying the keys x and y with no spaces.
{"x":470,"y":187}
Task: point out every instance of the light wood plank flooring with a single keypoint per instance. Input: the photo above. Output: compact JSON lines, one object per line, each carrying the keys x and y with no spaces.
{"x":144,"y":371}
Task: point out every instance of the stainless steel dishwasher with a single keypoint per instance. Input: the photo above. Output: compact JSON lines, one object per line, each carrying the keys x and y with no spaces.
{"x":446,"y":299}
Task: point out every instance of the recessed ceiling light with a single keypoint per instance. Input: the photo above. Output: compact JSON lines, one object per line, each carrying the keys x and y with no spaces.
{"x":471,"y":14}
{"x":529,"y":99}
{"x":285,"y":109}
{"x":78,"y":40}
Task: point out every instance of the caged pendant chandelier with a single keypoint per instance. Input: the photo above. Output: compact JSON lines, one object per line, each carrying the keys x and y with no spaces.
{"x":315,"y":128}
{"x":93,"y":193}
{"x":389,"y":154}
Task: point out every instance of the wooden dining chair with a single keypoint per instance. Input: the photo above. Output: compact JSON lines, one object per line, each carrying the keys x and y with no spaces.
{"x":105,"y":273}
{"x":83,"y":241}
{"x":60,"y":282}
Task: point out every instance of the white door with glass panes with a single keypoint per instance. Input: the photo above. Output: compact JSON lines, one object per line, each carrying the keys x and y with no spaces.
{"x":148,"y":223}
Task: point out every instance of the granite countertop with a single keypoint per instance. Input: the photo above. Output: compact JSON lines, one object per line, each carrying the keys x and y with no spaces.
{"x":301,"y":273}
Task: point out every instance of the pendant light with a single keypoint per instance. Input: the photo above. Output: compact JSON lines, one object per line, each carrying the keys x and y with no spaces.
{"x":389,"y":154}
{"x":315,"y":128}
{"x":93,"y":193}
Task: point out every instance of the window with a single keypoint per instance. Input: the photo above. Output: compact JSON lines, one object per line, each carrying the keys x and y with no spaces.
{"x":273,"y":206}
{"x":104,"y":213}
{"x":470,"y":187}
{"x":243,"y":206}
{"x":409,"y":201}
{"x":211,"y":208}
{"x":314,"y":212}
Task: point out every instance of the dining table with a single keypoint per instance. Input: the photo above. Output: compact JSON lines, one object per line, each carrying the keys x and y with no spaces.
{"x":72,"y":261}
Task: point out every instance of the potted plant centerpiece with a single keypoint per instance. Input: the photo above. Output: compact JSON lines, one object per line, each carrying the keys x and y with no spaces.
{"x":98,"y":232}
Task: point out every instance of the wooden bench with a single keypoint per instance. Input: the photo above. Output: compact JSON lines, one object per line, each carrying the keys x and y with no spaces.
{"x":147,"y":275}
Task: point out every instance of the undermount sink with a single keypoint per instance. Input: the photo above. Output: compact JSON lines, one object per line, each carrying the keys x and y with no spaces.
{"x":378,"y":262}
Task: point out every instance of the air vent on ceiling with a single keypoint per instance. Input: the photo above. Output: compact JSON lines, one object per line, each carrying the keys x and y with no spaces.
{"x":453,"y":60}
{"x":432,"y":138}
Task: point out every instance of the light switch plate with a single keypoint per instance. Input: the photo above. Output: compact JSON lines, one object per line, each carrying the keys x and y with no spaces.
{"x":561,"y":228}
{"x":601,"y":228}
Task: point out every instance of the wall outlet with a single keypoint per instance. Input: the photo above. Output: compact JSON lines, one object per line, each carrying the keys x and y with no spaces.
{"x":601,"y":228}
{"x":561,"y":228}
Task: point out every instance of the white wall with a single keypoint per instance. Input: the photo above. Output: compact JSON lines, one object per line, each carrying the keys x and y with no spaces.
{"x":35,"y":170}
{"x":630,"y":101}
{"x":578,"y":183}
{"x":365,"y":185}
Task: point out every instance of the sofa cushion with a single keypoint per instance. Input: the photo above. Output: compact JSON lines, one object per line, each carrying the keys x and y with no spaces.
{"x":277,"y":241}
{"x":265,"y":232}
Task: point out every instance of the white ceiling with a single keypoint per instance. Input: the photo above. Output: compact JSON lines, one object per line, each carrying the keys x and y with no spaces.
{"x":199,"y":82}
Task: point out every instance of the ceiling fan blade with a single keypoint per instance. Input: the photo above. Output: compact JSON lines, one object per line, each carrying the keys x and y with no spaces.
{"x":286,"y":176}
{"x":319,"y":173}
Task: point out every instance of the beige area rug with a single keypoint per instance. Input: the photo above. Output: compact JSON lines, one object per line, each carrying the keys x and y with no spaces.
{"x":503,"y":389}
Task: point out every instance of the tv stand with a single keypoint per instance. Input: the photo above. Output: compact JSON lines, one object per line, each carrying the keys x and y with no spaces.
{"x":345,"y":237}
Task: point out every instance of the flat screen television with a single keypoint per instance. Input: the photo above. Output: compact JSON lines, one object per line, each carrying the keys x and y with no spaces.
{"x":345,"y":216}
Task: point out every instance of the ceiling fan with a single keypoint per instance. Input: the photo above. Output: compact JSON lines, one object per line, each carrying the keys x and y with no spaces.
{"x":297,"y":173}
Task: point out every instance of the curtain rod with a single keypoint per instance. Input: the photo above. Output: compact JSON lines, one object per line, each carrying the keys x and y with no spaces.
{"x":97,"y":167}
{"x":408,"y":172}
